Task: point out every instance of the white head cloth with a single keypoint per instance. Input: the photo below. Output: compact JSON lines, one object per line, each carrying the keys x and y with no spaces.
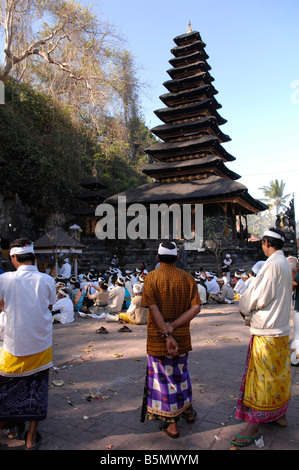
{"x":120,"y":280}
{"x":62,"y":292}
{"x":269,"y":233}
{"x":22,"y":250}
{"x":137,"y":288}
{"x":167,"y":251}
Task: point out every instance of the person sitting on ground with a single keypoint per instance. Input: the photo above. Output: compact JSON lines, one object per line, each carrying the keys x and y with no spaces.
{"x":77,"y":296}
{"x":211,"y":283}
{"x":63,"y":309}
{"x":226,"y":275}
{"x":100,"y":298}
{"x":202,"y":289}
{"x":128,"y":283}
{"x":234,"y":280}
{"x":226,"y":293}
{"x":128,"y":297}
{"x":135,"y":313}
{"x":240,"y":287}
{"x":116,"y":300}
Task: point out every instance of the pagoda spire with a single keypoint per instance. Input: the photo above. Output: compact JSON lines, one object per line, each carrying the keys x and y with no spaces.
{"x":189,"y":30}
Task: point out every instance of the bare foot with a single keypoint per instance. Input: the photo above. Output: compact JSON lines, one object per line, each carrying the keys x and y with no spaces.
{"x":282,"y":421}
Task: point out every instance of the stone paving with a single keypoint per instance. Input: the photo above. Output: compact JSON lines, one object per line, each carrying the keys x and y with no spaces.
{"x":96,"y":389}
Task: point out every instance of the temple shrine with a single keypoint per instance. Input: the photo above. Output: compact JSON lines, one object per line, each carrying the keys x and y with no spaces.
{"x":90,"y":197}
{"x":188,"y":163}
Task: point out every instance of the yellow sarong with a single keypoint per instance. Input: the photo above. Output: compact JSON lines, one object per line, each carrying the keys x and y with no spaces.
{"x":268,"y":379}
{"x":24,"y":365}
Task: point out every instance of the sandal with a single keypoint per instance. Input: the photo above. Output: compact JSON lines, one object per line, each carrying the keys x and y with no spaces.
{"x":250,"y":440}
{"x":102,"y":331}
{"x":15,"y":432}
{"x":192,"y":420}
{"x":124,"y":329}
{"x":164,"y":428}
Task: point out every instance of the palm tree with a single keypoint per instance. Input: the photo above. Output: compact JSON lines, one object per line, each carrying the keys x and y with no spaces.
{"x":274,"y":196}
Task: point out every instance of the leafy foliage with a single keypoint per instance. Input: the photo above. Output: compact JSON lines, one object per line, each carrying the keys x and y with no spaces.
{"x":48,"y":154}
{"x":42,"y":147}
{"x":274,"y":195}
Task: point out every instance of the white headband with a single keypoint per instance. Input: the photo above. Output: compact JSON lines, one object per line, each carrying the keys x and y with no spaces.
{"x":269,"y":233}
{"x":167,"y":251}
{"x":22,"y":250}
{"x":62,"y":292}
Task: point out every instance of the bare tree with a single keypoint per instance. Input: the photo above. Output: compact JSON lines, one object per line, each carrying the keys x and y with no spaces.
{"x":60,"y":33}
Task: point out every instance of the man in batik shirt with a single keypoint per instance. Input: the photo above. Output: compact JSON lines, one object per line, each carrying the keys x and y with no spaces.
{"x":173,"y":300}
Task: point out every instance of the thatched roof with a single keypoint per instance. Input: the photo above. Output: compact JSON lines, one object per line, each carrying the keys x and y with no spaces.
{"x":202,"y":191}
{"x":159,"y":170}
{"x":184,"y":83}
{"x":57,"y":237}
{"x":184,"y":97}
{"x":176,"y":131}
{"x":187,"y":70}
{"x":190,"y":111}
{"x":195,"y":56}
{"x":188,"y":38}
{"x":189,"y":149}
{"x":187,"y":49}
{"x":92,"y":196}
{"x":93,"y":182}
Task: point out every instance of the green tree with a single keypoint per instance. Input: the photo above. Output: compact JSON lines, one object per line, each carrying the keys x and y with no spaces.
{"x":274,"y":195}
{"x":43,"y":150}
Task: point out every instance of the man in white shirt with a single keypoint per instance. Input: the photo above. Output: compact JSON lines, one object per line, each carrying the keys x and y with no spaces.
{"x":201,"y":289}
{"x":241,"y":287}
{"x":227,"y":264}
{"x":266,"y":307}
{"x":66,"y":269}
{"x":211,"y":283}
{"x":26,"y":356}
{"x":64,"y":308}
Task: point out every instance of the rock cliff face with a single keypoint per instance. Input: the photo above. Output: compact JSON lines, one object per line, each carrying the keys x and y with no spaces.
{"x":15,"y":219}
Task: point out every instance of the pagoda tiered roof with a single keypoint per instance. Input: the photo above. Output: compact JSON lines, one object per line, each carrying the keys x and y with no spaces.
{"x":190,"y":130}
{"x":195,"y":168}
{"x":189,"y":96}
{"x":198,"y":191}
{"x":190,"y":148}
{"x":90,"y":194}
{"x":185,"y":83}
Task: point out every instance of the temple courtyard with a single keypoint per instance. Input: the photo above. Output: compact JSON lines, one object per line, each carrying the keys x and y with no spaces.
{"x":97,"y":383}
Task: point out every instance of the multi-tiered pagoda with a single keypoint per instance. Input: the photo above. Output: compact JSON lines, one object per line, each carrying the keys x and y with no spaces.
{"x":91,"y":195}
{"x":189,"y":163}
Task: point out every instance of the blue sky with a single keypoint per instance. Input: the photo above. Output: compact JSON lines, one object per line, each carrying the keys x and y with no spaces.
{"x":253,"y":49}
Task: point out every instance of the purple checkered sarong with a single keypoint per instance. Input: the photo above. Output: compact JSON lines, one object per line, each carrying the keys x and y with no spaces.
{"x":168,"y":386}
